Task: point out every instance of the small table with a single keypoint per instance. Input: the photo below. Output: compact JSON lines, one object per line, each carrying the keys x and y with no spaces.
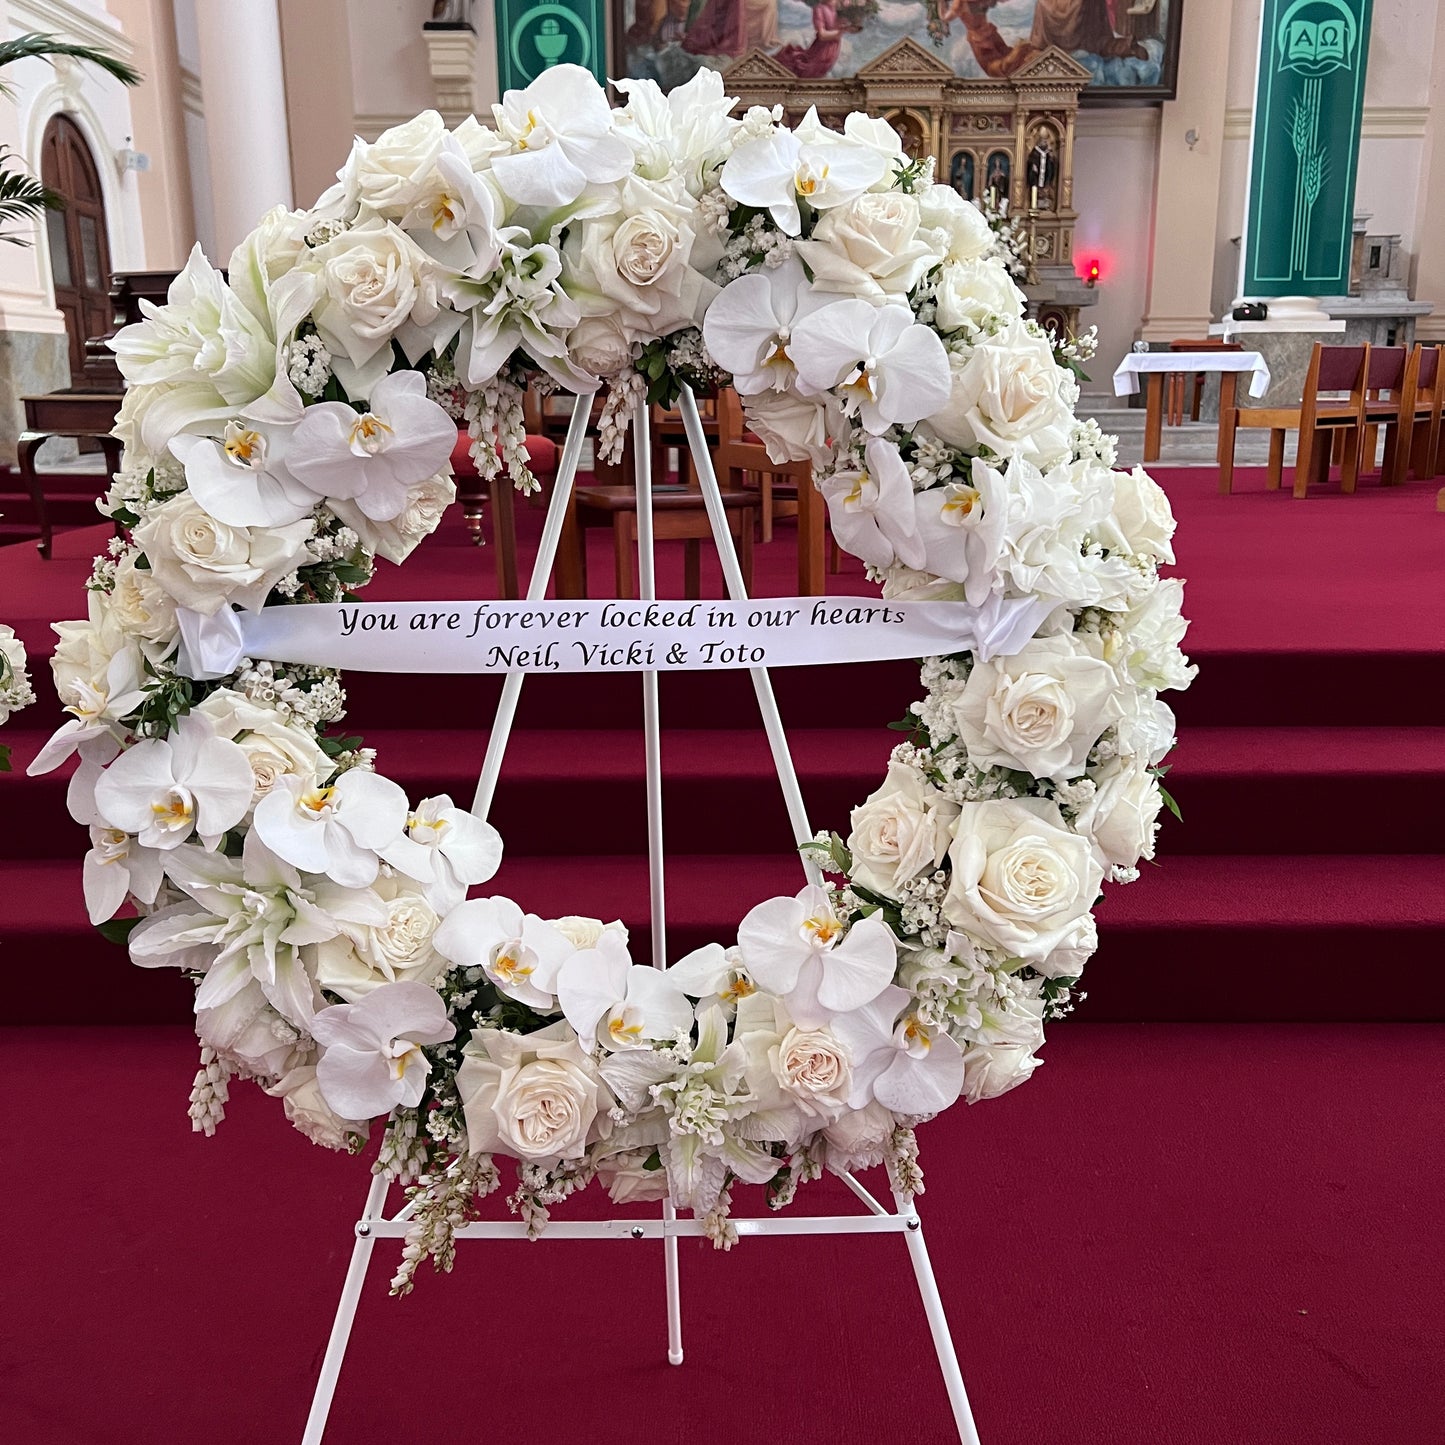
{"x":75,"y":413}
{"x":1156,"y":365}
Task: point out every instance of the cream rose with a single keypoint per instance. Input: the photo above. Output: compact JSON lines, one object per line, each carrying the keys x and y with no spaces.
{"x":1149,"y":637}
{"x":1010,"y":395}
{"x":305,"y":1107}
{"x":1073,"y":951}
{"x":362,"y":956}
{"x":869,"y":247}
{"x":973,"y":294}
{"x":420,"y":516}
{"x":1021,"y":880}
{"x":84,"y":652}
{"x":962,"y":233}
{"x":140,"y":607}
{"x":583,"y":932}
{"x":600,"y":345}
{"x":203,"y":564}
{"x":855,"y":1140}
{"x":374,"y":279}
{"x":1142,"y":518}
{"x":902,"y":830}
{"x":534,"y":1096}
{"x":815,"y":1070}
{"x":1122,"y":817}
{"x":1040,"y":710}
{"x":993,"y":1069}
{"x":398,"y":169}
{"x":274,"y":747}
{"x":796,"y":428}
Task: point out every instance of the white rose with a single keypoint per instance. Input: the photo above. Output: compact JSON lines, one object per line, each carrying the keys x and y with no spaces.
{"x":535,"y":1096}
{"x":1142,"y":516}
{"x":815,"y":1070}
{"x":306,"y":1108}
{"x":1073,"y":951}
{"x":855,"y":1140}
{"x":247,"y":1031}
{"x":15,"y":689}
{"x":600,"y":345}
{"x":1040,"y":710}
{"x":374,"y":279}
{"x":420,"y":516}
{"x":141,"y":607}
{"x":363,"y":957}
{"x":973,"y":294}
{"x":1010,"y":395}
{"x":84,"y":652}
{"x":1149,"y":637}
{"x":398,"y":169}
{"x":993,"y":1069}
{"x":902,"y":830}
{"x":628,"y":1181}
{"x":1021,"y":880}
{"x":203,"y":564}
{"x":583,"y":932}
{"x":1147,"y":728}
{"x":1123,"y":815}
{"x":962,"y":232}
{"x":869,"y":247}
{"x":274,"y":747}
{"x":796,"y":428}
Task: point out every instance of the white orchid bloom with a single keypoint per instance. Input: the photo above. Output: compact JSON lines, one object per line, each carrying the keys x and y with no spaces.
{"x":116,"y":866}
{"x":713,"y":974}
{"x":241,"y":478}
{"x":245,"y":920}
{"x":336,"y":830}
{"x":519,"y":952}
{"x":165,"y":789}
{"x":960,"y":534}
{"x":560,"y":130}
{"x":888,"y":369}
{"x":749,"y":327}
{"x":908,"y":1066}
{"x":456,"y":223}
{"x":872,"y":511}
{"x":779,"y":171}
{"x":448,"y":849}
{"x":797,"y":949}
{"x":373,"y":1060}
{"x":99,"y":704}
{"x":374,"y":457}
{"x":623,"y":1005}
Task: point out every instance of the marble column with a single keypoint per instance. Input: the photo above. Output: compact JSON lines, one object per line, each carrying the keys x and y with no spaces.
{"x":1429,"y":279}
{"x":243,"y":95}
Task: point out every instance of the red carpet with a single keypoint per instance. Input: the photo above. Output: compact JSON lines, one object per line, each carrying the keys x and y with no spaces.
{"x":1179,"y":1232}
{"x":1175,"y":1235}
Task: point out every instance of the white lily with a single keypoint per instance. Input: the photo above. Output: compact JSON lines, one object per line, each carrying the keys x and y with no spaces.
{"x":165,"y":789}
{"x":373,"y":1060}
{"x":241,"y":478}
{"x":372,"y":458}
{"x":447,"y":848}
{"x":336,"y":830}
{"x":872,"y":512}
{"x":99,"y":703}
{"x":560,"y":130}
{"x":245,"y":920}
{"x":887,"y":368}
{"x":683,"y":132}
{"x":118,"y":866}
{"x":908,"y":1066}
{"x":623,"y":1005}
{"x":779,"y":172}
{"x":519,"y":952}
{"x":797,"y":949}
{"x":749,"y":327}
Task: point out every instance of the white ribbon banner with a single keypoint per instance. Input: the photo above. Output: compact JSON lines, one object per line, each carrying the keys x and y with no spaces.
{"x":601,"y":636}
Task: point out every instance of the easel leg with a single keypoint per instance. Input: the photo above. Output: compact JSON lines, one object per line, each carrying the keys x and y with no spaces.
{"x":652,"y":741}
{"x":938,"y":1324}
{"x":536,"y":590}
{"x":345,"y":1315}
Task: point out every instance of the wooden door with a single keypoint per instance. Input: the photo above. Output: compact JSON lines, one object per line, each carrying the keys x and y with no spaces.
{"x":79,"y":253}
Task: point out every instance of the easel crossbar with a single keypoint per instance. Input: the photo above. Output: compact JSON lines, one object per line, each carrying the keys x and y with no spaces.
{"x":657,"y":1228}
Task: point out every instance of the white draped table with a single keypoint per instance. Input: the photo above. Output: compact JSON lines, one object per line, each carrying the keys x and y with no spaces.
{"x":1156,"y":365}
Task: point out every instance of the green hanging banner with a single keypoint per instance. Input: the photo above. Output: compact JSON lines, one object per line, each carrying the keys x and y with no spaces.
{"x":1306,"y":144}
{"x":533,"y":37}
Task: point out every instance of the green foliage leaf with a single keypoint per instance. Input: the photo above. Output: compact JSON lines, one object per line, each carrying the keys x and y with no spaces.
{"x":4,"y":759}
{"x":117,"y":930}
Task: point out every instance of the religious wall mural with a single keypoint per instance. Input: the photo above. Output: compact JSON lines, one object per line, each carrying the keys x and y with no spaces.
{"x":1129,"y":47}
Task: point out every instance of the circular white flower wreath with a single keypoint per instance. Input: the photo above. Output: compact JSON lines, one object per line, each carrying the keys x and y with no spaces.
{"x":289,"y":424}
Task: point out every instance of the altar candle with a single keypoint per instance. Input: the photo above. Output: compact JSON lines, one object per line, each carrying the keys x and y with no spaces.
{"x":1034,"y":198}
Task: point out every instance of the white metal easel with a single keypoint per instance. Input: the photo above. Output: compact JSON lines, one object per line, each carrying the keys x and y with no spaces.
{"x":374,"y":1223}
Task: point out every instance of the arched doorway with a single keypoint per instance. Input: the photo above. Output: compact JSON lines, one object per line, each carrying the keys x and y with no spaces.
{"x":79,"y":253}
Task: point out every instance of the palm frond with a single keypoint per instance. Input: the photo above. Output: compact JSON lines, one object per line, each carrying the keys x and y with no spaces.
{"x":22,"y":198}
{"x":48,"y":47}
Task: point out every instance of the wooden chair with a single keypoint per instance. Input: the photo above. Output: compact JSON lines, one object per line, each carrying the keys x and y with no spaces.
{"x":1179,"y":380}
{"x":1333,"y":370}
{"x":474,"y":495}
{"x":1424,"y":449}
{"x":1389,"y":403}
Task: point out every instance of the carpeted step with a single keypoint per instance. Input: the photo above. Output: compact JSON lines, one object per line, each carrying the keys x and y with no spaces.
{"x":1219,"y":938}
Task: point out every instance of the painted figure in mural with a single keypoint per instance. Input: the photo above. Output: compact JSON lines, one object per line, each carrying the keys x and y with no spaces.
{"x":733,"y":27}
{"x":1086,"y":25}
{"x":1043,"y":170}
{"x":960,"y":174}
{"x":814,"y":61}
{"x":996,"y":182}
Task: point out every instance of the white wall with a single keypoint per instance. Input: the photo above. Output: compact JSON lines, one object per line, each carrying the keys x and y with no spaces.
{"x":390,"y":78}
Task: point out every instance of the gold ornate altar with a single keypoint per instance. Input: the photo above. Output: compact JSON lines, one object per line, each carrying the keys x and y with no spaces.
{"x":1012,"y":136}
